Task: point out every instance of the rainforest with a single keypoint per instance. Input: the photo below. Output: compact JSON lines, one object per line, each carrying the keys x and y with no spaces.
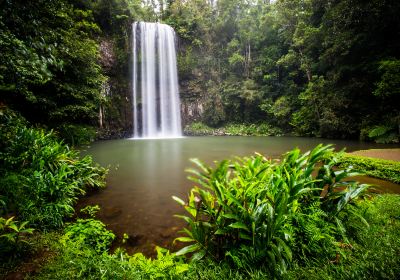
{"x":199,"y":139}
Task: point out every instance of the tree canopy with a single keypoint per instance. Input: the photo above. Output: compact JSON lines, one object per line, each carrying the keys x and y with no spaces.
{"x":322,"y":68}
{"x":310,"y":67}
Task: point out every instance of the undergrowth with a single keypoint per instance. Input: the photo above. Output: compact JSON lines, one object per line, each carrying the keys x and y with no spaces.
{"x":374,"y":254}
{"x":41,"y":178}
{"x":232,"y":129}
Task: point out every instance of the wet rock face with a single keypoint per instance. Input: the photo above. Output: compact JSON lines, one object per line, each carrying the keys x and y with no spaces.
{"x":191,"y":111}
{"x":107,"y":56}
{"x":116,"y":111}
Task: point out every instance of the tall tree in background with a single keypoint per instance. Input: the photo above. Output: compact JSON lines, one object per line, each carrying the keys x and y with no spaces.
{"x":322,"y":68}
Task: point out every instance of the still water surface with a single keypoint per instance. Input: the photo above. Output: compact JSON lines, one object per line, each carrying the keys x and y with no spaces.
{"x":144,"y":174}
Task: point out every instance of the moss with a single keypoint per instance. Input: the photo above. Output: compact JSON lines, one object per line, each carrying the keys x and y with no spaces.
{"x":378,"y":168}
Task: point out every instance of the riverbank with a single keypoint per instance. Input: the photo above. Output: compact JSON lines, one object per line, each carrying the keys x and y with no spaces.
{"x":386,"y":154}
{"x":232,"y":129}
{"x":379,"y":163}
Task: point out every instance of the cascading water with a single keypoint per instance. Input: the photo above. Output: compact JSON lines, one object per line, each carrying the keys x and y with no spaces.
{"x":156,"y":105}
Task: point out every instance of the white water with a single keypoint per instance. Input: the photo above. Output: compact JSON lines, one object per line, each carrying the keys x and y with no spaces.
{"x":156,"y":105}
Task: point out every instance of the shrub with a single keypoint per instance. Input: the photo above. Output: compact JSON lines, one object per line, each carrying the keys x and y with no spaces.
{"x":198,"y":129}
{"x":82,"y":262}
{"x":90,"y":210}
{"x":237,"y":129}
{"x":384,"y":134}
{"x":257,"y":212}
{"x":91,"y":233}
{"x":13,"y":237}
{"x":77,"y":135}
{"x":41,"y":178}
{"x":376,"y":246}
{"x":261,"y":129}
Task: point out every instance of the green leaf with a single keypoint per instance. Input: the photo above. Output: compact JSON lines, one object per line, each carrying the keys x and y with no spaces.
{"x":198,"y":256}
{"x":180,"y":201}
{"x":239,"y":225}
{"x":231,"y":216}
{"x":188,"y":249}
{"x":184,"y":239}
{"x":221,"y":231}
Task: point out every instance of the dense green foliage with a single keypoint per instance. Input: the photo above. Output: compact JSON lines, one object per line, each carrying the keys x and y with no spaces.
{"x":40,"y":177}
{"x":49,"y":65}
{"x":89,"y":232}
{"x":313,"y":67}
{"x":77,"y":135}
{"x":275,"y":205}
{"x":64,"y":63}
{"x":372,"y":257}
{"x":77,"y":260}
{"x":13,"y":237}
{"x":261,"y":129}
{"x":374,"y":254}
{"x":321,"y":68}
{"x":379,"y":168}
{"x":258,"y":213}
{"x":310,"y":67}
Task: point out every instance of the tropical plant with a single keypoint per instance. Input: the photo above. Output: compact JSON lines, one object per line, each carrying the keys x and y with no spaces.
{"x":89,"y":232}
{"x":12,"y":236}
{"x":90,"y":210}
{"x":41,"y":178}
{"x":77,"y":134}
{"x":83,"y":262}
{"x":254,"y":211}
{"x":384,"y":134}
{"x":166,"y":265}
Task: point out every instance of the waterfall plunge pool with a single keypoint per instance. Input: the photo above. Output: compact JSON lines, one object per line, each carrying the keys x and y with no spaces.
{"x":145,"y":173}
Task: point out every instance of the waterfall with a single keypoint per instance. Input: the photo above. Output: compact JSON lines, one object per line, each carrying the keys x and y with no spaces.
{"x":156,"y":104}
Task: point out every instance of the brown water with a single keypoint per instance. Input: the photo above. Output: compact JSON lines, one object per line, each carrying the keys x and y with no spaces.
{"x":144,"y":174}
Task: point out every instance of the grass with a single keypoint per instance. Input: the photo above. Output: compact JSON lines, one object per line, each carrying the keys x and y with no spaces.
{"x":378,"y":168}
{"x":376,"y":248}
{"x":374,"y":254}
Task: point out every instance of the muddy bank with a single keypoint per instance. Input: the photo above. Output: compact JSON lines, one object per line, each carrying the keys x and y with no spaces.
{"x":388,"y":154}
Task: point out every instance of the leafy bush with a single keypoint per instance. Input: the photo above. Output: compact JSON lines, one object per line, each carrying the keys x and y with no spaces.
{"x":379,"y":168}
{"x":261,"y":129}
{"x":41,"y":178}
{"x":91,"y":211}
{"x":89,"y":232}
{"x":256,"y":212}
{"x":384,"y":134}
{"x":12,"y":237}
{"x":198,"y":129}
{"x":376,"y":246}
{"x":375,"y":255}
{"x":82,"y":262}
{"x":77,"y":134}
{"x":166,"y":265}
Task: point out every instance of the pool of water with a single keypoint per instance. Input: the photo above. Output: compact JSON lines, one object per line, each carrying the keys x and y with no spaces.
{"x":144,"y":174}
